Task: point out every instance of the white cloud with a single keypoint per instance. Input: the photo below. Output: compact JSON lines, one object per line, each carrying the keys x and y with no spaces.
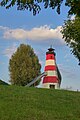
{"x":38,"y":33}
{"x":17,"y":34}
{"x":10,"y":50}
{"x":3,"y":28}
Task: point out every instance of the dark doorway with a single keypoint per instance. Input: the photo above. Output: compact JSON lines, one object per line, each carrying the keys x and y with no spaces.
{"x":52,"y":86}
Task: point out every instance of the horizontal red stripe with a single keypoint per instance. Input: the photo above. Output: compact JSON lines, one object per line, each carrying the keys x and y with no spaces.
{"x":50,"y":67}
{"x":50,"y":56}
{"x":50,"y":79}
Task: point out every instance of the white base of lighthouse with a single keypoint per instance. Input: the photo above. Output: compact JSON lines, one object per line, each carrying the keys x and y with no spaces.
{"x":51,"y":85}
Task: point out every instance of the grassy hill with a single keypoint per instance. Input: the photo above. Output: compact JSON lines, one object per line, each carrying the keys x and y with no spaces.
{"x":22,"y":103}
{"x":3,"y":83}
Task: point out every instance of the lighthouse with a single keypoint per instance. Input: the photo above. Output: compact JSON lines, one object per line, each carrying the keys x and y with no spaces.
{"x":53,"y":76}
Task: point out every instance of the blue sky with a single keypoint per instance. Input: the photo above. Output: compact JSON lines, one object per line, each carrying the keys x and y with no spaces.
{"x":40,"y":32}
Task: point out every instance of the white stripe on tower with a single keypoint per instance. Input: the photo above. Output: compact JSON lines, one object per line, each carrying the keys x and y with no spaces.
{"x":51,"y":73}
{"x":50,"y":62}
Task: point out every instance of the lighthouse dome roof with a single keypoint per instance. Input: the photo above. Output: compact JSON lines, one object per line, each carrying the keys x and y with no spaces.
{"x":50,"y":51}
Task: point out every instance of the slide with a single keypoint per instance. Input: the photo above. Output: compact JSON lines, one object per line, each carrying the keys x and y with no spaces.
{"x":36,"y":79}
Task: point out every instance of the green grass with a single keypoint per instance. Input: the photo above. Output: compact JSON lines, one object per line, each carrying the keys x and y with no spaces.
{"x":22,"y":103}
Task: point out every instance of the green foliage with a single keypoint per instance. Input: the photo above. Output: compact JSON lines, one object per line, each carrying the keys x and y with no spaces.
{"x":3,"y":83}
{"x":23,"y":66}
{"x":38,"y":104}
{"x":74,"y":7}
{"x":34,"y":5}
{"x":71,"y":34}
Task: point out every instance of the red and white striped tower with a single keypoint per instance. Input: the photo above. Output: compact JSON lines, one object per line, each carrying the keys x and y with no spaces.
{"x":51,"y":80}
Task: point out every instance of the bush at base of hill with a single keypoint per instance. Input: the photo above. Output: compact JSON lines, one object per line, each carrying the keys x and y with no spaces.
{"x":3,"y":83}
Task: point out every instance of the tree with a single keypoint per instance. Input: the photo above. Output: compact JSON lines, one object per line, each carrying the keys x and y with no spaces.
{"x":74,"y":7}
{"x":71,"y":34}
{"x":24,"y":66}
{"x":34,"y":5}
